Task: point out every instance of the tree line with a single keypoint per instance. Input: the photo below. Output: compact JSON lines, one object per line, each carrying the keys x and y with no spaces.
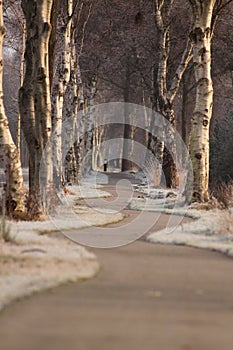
{"x":72,"y":54}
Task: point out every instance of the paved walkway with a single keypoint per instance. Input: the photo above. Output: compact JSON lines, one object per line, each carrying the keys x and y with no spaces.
{"x":145,"y":297}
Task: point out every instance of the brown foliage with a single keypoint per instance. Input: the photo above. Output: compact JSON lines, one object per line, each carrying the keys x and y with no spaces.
{"x":222,"y":193}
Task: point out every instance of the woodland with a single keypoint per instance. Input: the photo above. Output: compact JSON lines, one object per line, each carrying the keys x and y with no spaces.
{"x":61,"y":58}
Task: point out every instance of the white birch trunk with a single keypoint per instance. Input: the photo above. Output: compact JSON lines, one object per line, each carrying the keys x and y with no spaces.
{"x":167,"y":153}
{"x":64,"y":72}
{"x":74,"y":116}
{"x":71,"y":108}
{"x":14,"y":191}
{"x":42,"y":99}
{"x":199,"y":140}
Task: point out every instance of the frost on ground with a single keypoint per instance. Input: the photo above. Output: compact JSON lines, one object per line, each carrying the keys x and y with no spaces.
{"x":28,"y":268}
{"x":32,"y":261}
{"x":212,"y":229}
{"x":161,"y":199}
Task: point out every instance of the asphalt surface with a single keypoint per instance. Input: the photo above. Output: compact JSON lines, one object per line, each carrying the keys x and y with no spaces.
{"x":145,"y":297}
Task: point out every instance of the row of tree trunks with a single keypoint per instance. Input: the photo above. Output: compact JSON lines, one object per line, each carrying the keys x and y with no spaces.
{"x":35,"y":105}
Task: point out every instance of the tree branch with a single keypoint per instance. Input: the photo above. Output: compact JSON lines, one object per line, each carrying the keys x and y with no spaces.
{"x":84,"y":29}
{"x":186,"y":57}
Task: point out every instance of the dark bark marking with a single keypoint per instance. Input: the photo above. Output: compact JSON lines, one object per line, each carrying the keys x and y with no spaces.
{"x":198,"y":155}
{"x":205,"y":122}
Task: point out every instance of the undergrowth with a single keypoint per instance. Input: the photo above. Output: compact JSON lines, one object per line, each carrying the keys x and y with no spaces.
{"x":222,"y":193}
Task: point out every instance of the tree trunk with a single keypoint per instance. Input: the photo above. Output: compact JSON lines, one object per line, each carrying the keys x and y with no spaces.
{"x":14,"y":191}
{"x":87,"y":123}
{"x":126,"y":161}
{"x":64,"y":73}
{"x":90,"y":126}
{"x":21,"y":76}
{"x":80,"y":144}
{"x":167,"y":95}
{"x":53,"y":41}
{"x":74,"y":121}
{"x":98,"y":137}
{"x":201,"y":36}
{"x":169,"y":153}
{"x":35,"y":103}
{"x":184,"y":113}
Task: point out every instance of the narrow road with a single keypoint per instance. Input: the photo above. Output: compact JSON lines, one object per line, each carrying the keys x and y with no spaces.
{"x":145,"y":297}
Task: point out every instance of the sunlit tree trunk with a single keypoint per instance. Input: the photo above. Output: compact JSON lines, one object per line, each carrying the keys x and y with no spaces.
{"x":201,"y":36}
{"x":14,"y":191}
{"x":35,"y":103}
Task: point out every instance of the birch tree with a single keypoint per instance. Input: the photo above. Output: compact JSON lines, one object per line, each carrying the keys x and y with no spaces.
{"x":89,"y":123}
{"x":35,"y":102}
{"x":205,"y":14}
{"x":63,"y":73}
{"x":14,"y":191}
{"x":78,"y":106}
{"x":127,"y":136}
{"x":167,"y":93}
{"x":73,"y":103}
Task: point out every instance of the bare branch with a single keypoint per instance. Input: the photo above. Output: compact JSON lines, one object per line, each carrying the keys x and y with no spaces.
{"x":186,"y":57}
{"x":84,"y":29}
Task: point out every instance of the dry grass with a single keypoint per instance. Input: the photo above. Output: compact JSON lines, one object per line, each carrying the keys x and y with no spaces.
{"x":152,"y":169}
{"x":222,"y":194}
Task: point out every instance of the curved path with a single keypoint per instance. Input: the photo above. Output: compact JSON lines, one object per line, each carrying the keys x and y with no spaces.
{"x":145,"y":297}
